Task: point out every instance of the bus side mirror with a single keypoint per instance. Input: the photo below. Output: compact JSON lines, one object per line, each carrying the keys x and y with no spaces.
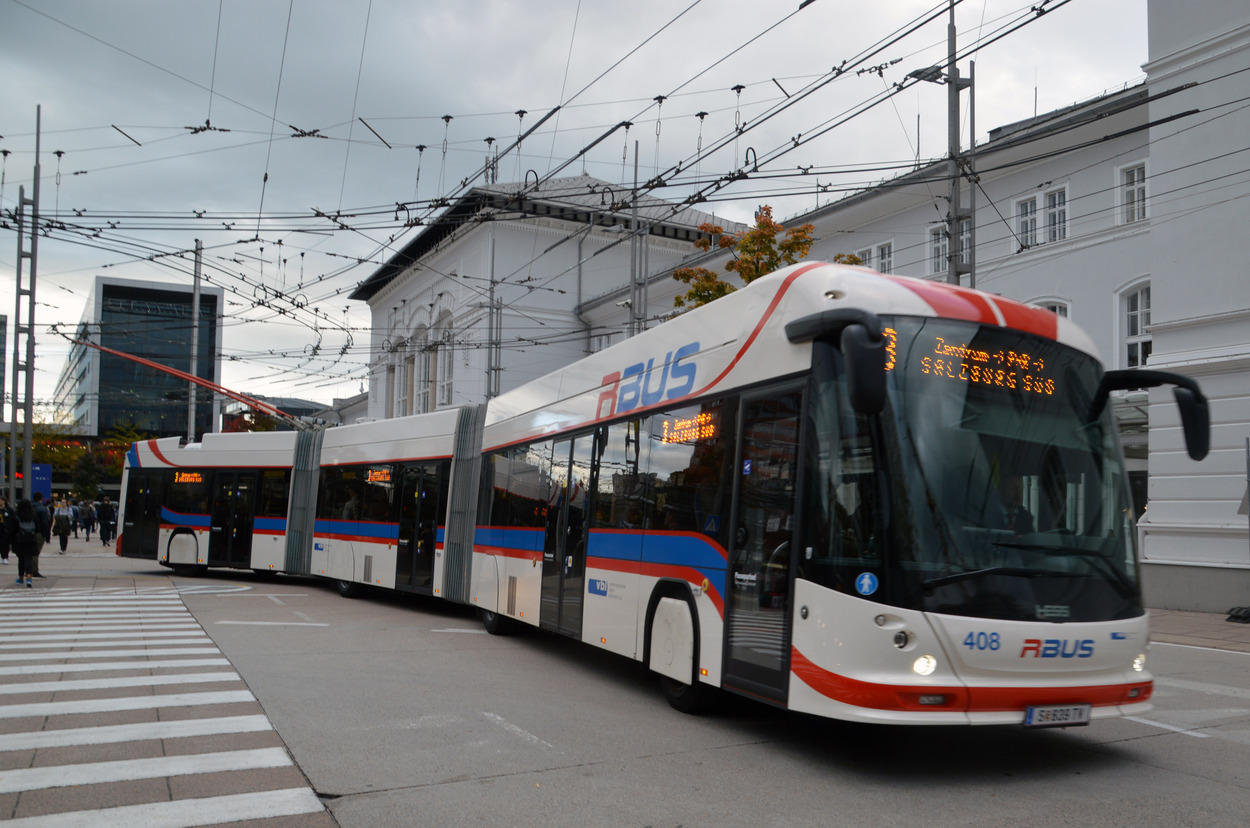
{"x":1195,"y":413}
{"x":863,"y":352}
{"x":1195,"y":420}
{"x":859,"y":336}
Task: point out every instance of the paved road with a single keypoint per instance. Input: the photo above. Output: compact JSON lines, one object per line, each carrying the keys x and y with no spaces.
{"x":400,"y":711}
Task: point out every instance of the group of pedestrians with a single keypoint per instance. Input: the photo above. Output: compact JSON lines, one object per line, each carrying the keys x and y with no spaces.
{"x":25,"y":529}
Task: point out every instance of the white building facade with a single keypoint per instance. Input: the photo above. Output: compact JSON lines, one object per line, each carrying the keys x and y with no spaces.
{"x":486,"y":298}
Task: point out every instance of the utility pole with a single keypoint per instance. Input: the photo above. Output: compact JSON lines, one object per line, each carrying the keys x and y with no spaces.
{"x":956,"y":215}
{"x":25,"y":365}
{"x":494,"y":355}
{"x":195,"y":339}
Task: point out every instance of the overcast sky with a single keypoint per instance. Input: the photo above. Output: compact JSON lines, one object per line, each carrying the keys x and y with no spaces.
{"x":127,"y":86}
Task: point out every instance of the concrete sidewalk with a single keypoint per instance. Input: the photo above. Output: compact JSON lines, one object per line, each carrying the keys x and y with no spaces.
{"x":91,"y":558}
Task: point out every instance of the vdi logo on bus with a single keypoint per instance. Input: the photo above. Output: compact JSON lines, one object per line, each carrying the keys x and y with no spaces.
{"x":597,"y":586}
{"x":643,"y":384}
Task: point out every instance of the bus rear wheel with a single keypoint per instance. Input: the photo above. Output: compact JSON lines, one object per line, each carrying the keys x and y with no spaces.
{"x":688,"y":698}
{"x":497,"y":624}
{"x":350,"y":589}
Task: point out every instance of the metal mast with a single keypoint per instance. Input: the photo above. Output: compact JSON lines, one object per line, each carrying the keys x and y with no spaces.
{"x":24,"y":359}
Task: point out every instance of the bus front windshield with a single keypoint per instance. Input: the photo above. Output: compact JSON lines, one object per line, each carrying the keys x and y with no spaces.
{"x":984,"y":489}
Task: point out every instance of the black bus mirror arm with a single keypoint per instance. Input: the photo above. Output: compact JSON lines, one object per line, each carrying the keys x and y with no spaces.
{"x":860,"y":337}
{"x":1194,"y":410}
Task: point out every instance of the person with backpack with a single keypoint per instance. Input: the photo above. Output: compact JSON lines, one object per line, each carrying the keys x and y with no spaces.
{"x":43,"y":523}
{"x":87,"y":513}
{"x":62,"y":523}
{"x":106,"y":516}
{"x":24,"y":540}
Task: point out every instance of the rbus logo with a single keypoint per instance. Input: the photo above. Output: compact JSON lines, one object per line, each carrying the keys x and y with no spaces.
{"x":1057,"y":648}
{"x":644,"y":384}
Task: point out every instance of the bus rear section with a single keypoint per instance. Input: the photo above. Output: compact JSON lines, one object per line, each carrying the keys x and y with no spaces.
{"x":220,"y":503}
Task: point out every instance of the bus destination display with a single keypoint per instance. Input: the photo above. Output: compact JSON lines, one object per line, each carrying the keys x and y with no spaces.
{"x":1006,"y":369}
{"x":701,"y":426}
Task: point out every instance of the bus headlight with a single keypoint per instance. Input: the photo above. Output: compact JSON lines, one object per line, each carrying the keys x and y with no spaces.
{"x":925,"y":665}
{"x":1139,"y":662}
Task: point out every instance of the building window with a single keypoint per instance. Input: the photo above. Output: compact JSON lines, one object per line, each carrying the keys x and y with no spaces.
{"x":598,"y":342}
{"x":1026,"y":222}
{"x":865,"y":256}
{"x":401,"y":389}
{"x":1056,"y":215}
{"x":1136,"y":329}
{"x":421,"y":381}
{"x":1133,"y":193}
{"x":1057,"y":308}
{"x":938,"y":250}
{"x":885,"y":257}
{"x":965,"y":241}
{"x":446,"y":371}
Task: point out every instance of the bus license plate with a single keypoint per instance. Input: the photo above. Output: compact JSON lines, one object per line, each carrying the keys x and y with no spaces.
{"x":1057,"y":715}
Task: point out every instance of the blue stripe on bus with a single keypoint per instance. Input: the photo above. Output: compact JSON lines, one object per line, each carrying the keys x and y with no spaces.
{"x":364,"y":530}
{"x":184,"y":519}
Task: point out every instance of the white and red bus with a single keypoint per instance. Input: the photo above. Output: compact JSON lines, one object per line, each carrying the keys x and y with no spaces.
{"x":854,"y":495}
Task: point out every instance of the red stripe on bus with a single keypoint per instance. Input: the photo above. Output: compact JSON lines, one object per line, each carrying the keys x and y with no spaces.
{"x":508,"y":552}
{"x":949,"y":301}
{"x":954,"y":302}
{"x":962,"y":699}
{"x":1030,"y":320}
{"x":156,"y":450}
{"x":759,"y":326}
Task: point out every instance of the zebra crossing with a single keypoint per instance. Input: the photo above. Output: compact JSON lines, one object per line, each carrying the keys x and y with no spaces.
{"x":116,"y":708}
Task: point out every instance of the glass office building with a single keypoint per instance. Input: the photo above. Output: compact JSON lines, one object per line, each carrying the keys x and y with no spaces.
{"x":100,"y":391}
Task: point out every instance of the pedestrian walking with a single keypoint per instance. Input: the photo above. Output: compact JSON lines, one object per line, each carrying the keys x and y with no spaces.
{"x":43,"y":526}
{"x":24,"y":540}
{"x":87,"y":512}
{"x":74,"y":520}
{"x":62,"y":523}
{"x":107,"y":518}
{"x":8,"y":518}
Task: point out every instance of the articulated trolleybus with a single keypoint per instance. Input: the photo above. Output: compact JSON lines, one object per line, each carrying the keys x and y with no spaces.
{"x":854,"y":495}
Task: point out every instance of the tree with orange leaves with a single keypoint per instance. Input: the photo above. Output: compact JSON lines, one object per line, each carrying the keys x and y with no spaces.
{"x":755,"y":252}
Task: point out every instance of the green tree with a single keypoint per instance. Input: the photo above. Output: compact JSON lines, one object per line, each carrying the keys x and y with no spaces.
{"x":755,"y":252}
{"x":88,"y":472}
{"x":112,"y":448}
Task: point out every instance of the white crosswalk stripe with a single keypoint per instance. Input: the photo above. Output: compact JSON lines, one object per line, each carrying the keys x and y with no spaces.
{"x":69,"y":653}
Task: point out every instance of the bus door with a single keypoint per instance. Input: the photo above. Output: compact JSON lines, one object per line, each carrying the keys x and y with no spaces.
{"x":758,"y":612}
{"x":423,"y":502}
{"x":564,"y":546}
{"x":141,"y":514}
{"x":233,"y":510}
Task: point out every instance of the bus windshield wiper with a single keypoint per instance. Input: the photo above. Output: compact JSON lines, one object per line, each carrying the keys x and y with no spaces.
{"x":969,"y":574}
{"x":1118,"y":579}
